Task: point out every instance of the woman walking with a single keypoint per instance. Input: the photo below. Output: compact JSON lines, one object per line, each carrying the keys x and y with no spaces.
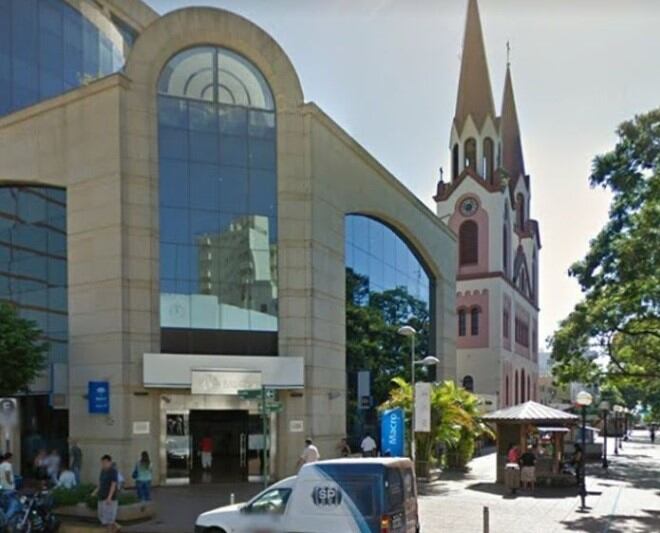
{"x":142,"y":475}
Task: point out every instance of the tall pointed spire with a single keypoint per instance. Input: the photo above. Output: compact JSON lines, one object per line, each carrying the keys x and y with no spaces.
{"x":512,"y":155}
{"x":475,"y":96}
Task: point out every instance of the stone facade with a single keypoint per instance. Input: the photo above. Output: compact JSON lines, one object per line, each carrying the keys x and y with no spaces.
{"x":99,"y":142}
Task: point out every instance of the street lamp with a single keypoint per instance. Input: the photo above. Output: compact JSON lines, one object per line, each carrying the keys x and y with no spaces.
{"x":409,"y":331}
{"x":604,"y":408}
{"x":617,"y":422}
{"x":583,"y":400}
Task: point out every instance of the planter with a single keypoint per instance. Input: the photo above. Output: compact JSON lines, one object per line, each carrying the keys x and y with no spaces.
{"x":125,"y":513}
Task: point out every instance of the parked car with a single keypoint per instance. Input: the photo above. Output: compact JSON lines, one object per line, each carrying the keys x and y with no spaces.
{"x":349,"y":495}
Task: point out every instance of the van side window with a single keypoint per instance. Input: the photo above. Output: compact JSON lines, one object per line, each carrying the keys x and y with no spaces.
{"x":271,"y":502}
{"x":394,"y":488}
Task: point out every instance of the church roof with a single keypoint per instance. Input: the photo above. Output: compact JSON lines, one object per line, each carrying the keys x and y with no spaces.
{"x":531,"y":412}
{"x":512,"y":155}
{"x":475,"y":96}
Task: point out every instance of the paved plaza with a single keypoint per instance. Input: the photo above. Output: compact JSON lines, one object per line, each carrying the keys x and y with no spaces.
{"x":626,"y":498}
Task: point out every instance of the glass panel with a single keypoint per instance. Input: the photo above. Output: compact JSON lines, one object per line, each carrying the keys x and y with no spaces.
{"x":33,"y":260}
{"x":218,"y":195}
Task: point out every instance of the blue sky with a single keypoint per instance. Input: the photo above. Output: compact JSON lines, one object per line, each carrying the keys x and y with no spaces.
{"x":387,"y":70}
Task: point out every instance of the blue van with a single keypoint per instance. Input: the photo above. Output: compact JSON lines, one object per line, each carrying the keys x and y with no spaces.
{"x":349,"y":495}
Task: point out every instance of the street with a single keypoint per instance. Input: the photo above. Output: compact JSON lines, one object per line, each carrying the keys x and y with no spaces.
{"x":625,"y":498}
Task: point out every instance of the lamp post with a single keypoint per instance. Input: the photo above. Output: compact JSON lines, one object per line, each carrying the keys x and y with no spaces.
{"x":604,"y":408}
{"x":583,"y":400}
{"x":409,"y":331}
{"x":617,"y":420}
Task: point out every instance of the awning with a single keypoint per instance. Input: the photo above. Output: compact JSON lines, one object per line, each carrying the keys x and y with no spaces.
{"x":163,"y":370}
{"x":532,"y":413}
{"x":553,"y":430}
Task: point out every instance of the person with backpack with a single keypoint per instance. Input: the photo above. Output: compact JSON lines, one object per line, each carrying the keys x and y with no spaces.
{"x":142,"y":474}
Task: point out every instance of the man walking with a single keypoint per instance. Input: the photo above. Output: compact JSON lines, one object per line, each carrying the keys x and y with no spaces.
{"x":368,"y":446}
{"x":75,"y":459}
{"x":106,"y":494}
{"x":6,"y":473}
{"x":206,"y":449}
{"x":310,"y":454}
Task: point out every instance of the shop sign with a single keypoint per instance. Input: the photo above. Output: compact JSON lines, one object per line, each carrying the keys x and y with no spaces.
{"x":205,"y":381}
{"x":392,"y":432}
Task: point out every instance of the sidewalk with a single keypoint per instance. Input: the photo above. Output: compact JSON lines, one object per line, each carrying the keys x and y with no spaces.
{"x":625,"y":498}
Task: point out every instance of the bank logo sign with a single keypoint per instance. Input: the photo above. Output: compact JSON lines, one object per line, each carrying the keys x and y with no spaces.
{"x":326,"y":496}
{"x":391,"y":432}
{"x":98,"y":396}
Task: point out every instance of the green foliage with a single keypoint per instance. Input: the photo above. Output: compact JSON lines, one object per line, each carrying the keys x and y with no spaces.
{"x":372,"y":342}
{"x":455,"y":420}
{"x":22,"y":352}
{"x":618,"y":319}
{"x":65,"y":497}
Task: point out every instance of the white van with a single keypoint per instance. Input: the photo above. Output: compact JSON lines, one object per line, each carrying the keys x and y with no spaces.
{"x":341,"y":495}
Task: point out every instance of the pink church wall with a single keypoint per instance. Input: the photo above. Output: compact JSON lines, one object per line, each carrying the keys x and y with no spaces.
{"x":481,"y":218}
{"x":468,"y":300}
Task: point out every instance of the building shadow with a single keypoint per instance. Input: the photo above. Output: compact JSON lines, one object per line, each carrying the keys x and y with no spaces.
{"x":617,"y":523}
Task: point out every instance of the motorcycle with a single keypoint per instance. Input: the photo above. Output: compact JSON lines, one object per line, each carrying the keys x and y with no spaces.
{"x":34,"y":515}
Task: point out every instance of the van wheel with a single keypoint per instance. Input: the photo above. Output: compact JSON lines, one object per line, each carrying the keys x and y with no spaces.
{"x":215,"y":530}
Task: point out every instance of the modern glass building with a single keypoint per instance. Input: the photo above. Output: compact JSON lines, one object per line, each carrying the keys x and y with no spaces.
{"x":384,"y":276}
{"x":214,"y":219}
{"x":33,"y":278}
{"x":48,"y":47}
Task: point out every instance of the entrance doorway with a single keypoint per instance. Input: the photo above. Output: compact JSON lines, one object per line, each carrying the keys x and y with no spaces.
{"x":236,"y":446}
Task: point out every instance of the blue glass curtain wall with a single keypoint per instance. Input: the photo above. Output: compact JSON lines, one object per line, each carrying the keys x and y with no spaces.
{"x":218,"y":194}
{"x":47,"y":48}
{"x":33,"y":260}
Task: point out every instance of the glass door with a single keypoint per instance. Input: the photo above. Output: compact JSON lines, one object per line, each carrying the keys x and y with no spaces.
{"x":178,"y":447}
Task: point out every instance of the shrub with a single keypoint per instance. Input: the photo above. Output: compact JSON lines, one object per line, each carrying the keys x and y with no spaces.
{"x":83,"y":493}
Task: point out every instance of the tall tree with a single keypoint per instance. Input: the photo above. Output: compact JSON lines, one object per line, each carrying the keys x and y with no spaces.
{"x":22,"y":351}
{"x":612,"y":336}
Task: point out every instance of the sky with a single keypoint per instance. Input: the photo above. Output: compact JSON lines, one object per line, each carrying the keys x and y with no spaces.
{"x":387,"y":72}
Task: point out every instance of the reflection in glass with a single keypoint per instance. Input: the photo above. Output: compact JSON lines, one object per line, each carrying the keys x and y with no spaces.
{"x":46,"y":48}
{"x":218,"y":194}
{"x":33,"y":260}
{"x":386,"y":287}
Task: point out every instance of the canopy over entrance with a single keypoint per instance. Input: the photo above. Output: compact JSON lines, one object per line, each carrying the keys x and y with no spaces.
{"x":533,"y":424}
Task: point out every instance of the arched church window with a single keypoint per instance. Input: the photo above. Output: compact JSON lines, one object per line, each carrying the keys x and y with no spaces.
{"x":507,"y":392}
{"x":468,"y":383}
{"x":474,"y":321}
{"x":454,"y":162}
{"x":529,"y":388}
{"x":462,"y":323}
{"x":471,"y":153}
{"x":522,"y":385}
{"x":489,"y":163}
{"x":468,"y":236}
{"x":515,"y":386}
{"x":520,"y":209}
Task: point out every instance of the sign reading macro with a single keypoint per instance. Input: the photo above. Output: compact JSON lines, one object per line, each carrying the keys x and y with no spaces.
{"x":391,"y":431}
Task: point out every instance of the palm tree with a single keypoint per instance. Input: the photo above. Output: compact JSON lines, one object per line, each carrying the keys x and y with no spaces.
{"x":454,"y":419}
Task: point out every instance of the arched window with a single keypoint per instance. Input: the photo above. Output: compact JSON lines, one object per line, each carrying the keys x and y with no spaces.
{"x":462,"y":326}
{"x":529,"y":388}
{"x":515,"y":386}
{"x":506,"y":252}
{"x":535,"y":270}
{"x":468,"y":236}
{"x":489,"y":159}
{"x":470,"y":153}
{"x":454,"y":162}
{"x":474,"y":321}
{"x":522,"y":385}
{"x":507,"y":392}
{"x":218,"y":201}
{"x":520,"y":209}
{"x":468,"y":383}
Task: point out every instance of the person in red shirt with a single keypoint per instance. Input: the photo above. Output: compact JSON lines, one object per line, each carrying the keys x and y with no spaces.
{"x":206,"y":449}
{"x":513,"y":455}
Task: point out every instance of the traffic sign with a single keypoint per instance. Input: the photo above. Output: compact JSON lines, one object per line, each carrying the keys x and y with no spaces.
{"x":249,"y":394}
{"x":273,"y":407}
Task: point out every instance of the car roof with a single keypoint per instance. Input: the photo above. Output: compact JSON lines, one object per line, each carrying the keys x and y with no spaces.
{"x":384,"y":461}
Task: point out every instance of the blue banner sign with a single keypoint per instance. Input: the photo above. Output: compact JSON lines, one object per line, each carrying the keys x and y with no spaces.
{"x":98,"y":397}
{"x":392,"y":432}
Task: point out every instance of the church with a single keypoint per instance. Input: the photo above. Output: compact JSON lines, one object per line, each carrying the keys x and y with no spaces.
{"x":486,"y":202}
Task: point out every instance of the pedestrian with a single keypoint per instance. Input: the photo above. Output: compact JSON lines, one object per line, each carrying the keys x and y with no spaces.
{"x":368,"y":446}
{"x":53,"y":463}
{"x":67,"y":479}
{"x":142,"y":474}
{"x":106,"y":494}
{"x":310,"y":454}
{"x":512,"y":468}
{"x":6,"y":473}
{"x":75,"y":460}
{"x":344,"y":448}
{"x":206,"y":449}
{"x":528,"y":470}
{"x":652,"y":434}
{"x":513,"y":455}
{"x":41,"y":465}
